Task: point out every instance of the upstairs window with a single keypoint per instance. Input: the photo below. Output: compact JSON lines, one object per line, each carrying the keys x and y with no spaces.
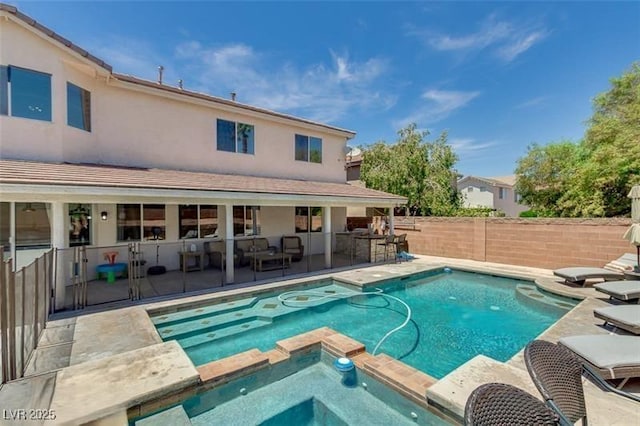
{"x":517,"y":197}
{"x":30,"y":93}
{"x":235,"y":137}
{"x":308,"y":148}
{"x":78,"y":107}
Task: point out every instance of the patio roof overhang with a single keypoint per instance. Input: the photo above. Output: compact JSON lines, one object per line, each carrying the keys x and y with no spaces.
{"x":94,"y":183}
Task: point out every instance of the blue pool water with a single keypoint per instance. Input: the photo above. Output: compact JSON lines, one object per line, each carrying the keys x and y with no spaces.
{"x":305,"y":390}
{"x":455,"y":317}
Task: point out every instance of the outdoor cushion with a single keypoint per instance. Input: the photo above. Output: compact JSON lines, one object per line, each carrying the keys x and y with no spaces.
{"x":626,"y":262}
{"x":607,"y":351}
{"x":621,"y":290}
{"x":579,"y":274}
{"x":626,"y":317}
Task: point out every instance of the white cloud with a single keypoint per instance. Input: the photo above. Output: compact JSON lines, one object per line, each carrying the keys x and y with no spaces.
{"x":520,"y":44}
{"x":323,"y":92}
{"x":124,"y":55}
{"x":438,"y":106}
{"x":464,"y":146}
{"x":507,"y":40}
{"x":533,"y":102}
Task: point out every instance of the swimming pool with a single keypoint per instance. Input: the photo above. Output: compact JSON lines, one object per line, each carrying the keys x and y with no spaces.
{"x":455,"y":316}
{"x":305,"y":390}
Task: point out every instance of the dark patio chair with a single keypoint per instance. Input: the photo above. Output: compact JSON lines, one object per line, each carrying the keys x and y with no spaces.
{"x":557,"y":373}
{"x":499,"y":404}
{"x":292,"y":244}
{"x":389,"y":247}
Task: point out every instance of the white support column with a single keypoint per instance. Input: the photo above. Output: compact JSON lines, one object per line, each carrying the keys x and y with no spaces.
{"x":391,"y":222}
{"x":326,"y":228}
{"x":12,"y":233}
{"x":59,"y":225}
{"x":228,"y":215}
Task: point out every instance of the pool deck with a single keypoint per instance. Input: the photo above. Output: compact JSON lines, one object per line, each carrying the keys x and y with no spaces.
{"x":99,"y":365}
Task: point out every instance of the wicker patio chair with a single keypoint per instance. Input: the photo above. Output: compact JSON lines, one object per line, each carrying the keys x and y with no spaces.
{"x":499,"y":404}
{"x":557,"y":373}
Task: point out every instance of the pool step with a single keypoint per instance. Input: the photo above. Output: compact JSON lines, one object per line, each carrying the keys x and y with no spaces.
{"x":206,"y":325}
{"x":204,"y":338}
{"x":175,"y":416}
{"x":529,"y":293}
{"x":269,"y":309}
{"x":202,"y":312}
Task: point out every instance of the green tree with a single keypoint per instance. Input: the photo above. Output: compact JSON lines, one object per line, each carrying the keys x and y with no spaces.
{"x":611,"y":145}
{"x":544,"y":174}
{"x":415,"y":168}
{"x":593,"y":177}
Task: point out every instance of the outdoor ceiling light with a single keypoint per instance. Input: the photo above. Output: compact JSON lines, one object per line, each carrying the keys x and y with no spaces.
{"x":103,"y":215}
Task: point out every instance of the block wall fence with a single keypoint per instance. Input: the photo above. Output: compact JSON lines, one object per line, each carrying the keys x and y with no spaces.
{"x":537,"y":242}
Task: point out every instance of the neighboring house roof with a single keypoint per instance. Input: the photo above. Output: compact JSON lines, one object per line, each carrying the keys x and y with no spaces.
{"x":505,"y":180}
{"x":349,"y":134}
{"x":494,"y":181}
{"x":18,"y":172}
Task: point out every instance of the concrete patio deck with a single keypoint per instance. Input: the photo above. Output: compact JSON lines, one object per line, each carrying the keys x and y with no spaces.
{"x":105,"y":350}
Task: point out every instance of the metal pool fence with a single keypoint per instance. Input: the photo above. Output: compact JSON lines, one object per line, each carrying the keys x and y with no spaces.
{"x":87,"y":276}
{"x":25,"y":297}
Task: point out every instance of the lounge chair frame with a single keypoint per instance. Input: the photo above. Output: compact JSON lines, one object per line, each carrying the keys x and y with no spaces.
{"x":557,"y":373}
{"x":495,"y":404}
{"x":635,"y":329}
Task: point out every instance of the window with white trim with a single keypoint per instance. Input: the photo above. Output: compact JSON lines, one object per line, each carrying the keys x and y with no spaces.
{"x":25,"y":93}
{"x":235,"y":137}
{"x":308,"y":148}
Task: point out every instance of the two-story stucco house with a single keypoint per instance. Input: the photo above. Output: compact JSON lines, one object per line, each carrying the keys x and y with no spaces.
{"x":92,"y":157}
{"x":495,"y":193}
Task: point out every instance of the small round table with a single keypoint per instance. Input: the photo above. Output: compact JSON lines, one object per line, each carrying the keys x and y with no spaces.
{"x":111,"y":269}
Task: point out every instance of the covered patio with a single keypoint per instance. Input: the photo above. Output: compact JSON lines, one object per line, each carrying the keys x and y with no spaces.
{"x":194,"y":231}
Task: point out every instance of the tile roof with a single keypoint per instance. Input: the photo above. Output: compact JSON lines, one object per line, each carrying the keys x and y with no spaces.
{"x":109,"y":176}
{"x":52,"y":34}
{"x":502,"y":180}
{"x":203,"y":96}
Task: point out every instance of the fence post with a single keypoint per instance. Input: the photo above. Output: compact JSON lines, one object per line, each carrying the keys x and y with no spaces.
{"x":22,"y":318}
{"x":35,"y":327}
{"x":11,"y":323}
{"x":4,"y":328}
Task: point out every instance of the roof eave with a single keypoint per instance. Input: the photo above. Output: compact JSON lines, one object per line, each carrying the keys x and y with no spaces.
{"x":128,"y":80}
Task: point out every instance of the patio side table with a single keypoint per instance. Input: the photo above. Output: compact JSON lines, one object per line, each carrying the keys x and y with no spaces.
{"x":198,"y":263}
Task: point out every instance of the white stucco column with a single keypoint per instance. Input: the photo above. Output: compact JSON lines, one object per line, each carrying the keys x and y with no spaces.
{"x":59,"y":226}
{"x":391,"y":222}
{"x":228,"y":216}
{"x":326,"y":228}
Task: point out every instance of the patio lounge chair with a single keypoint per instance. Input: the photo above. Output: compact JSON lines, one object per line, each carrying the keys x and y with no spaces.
{"x":613,"y":270}
{"x":557,"y":373}
{"x":611,"y":356}
{"x":622,"y":290}
{"x":626,"y":317}
{"x":498,"y":404}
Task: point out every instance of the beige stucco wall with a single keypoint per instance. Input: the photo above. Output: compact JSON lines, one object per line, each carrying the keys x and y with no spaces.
{"x":474,"y":197}
{"x":136,"y":126}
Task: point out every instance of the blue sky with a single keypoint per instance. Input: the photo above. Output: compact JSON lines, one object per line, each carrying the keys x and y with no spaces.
{"x":496,"y":75}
